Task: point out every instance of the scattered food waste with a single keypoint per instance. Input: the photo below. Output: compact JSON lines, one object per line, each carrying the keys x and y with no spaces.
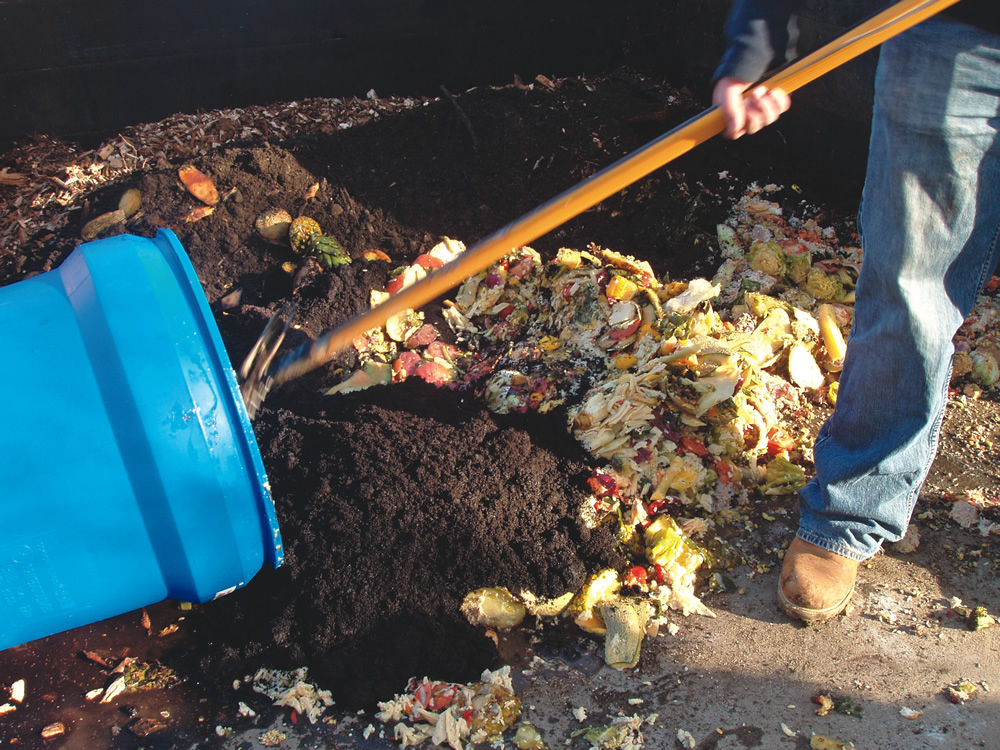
{"x":453,"y":714}
{"x":961,"y":691}
{"x":820,"y":742}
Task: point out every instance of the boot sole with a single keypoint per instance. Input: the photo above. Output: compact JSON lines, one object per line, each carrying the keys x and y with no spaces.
{"x":809,"y":615}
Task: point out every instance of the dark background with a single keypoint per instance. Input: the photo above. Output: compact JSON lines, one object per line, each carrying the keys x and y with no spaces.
{"x":84,"y":69}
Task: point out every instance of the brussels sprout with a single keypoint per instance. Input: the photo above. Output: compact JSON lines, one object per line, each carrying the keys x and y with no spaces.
{"x":761,"y":304}
{"x":979,"y":618}
{"x":799,"y":298}
{"x":494,"y":710}
{"x":798,"y":261}
{"x":822,"y":285}
{"x":527,"y":738}
{"x":729,"y":242}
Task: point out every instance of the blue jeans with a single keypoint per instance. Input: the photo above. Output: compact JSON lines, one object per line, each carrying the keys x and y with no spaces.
{"x":929,"y":222}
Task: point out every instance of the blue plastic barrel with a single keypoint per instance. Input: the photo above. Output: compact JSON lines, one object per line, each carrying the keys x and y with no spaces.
{"x":129,"y":471}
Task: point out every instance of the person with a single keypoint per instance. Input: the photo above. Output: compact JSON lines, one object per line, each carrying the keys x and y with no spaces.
{"x":929,"y":223}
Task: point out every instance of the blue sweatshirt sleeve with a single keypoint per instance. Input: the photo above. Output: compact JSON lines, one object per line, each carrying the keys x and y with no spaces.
{"x":762,"y":35}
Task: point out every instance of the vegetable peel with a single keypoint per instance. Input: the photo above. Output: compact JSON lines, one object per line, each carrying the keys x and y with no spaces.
{"x":199,"y":185}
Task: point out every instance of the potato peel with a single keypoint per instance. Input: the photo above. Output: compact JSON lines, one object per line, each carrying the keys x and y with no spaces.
{"x":199,"y":185}
{"x":198,"y":213}
{"x":101,"y":224}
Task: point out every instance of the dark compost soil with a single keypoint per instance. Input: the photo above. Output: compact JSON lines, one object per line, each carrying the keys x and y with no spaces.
{"x":396,"y":501}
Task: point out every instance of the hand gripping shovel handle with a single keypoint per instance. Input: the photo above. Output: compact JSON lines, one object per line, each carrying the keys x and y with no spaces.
{"x":593,"y":190}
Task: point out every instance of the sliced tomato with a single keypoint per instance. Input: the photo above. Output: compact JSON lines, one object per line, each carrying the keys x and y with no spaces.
{"x":362,"y":343}
{"x":428,"y":261}
{"x":441,"y":350}
{"x":635,"y":576}
{"x":395,"y":284}
{"x":405,"y":365}
{"x":617,"y":334}
{"x":522,"y":269}
{"x":433,"y":372}
{"x":421,"y":337}
{"x":694,"y":445}
{"x":659,"y":574}
{"x":725,"y":470}
{"x":442,"y":696}
{"x":778,"y":441}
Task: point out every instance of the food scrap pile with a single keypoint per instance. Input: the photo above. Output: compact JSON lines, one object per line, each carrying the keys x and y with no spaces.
{"x":682,"y":392}
{"x":453,"y":714}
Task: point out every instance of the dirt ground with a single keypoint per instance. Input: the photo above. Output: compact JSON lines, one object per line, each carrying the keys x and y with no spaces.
{"x":394,"y":502}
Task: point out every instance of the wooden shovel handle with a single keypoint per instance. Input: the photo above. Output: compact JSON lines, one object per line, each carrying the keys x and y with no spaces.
{"x":607,"y":182}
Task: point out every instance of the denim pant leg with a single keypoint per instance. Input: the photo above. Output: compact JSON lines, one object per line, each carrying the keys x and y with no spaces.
{"x":929,"y":224}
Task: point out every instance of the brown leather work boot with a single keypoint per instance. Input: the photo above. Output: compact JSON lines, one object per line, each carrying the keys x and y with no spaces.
{"x":815,"y":584}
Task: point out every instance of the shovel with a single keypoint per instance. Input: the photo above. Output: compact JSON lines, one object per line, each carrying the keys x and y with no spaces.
{"x":261,"y":372}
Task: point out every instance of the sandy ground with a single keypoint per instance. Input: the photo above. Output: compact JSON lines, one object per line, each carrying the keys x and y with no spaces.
{"x":748,"y":677}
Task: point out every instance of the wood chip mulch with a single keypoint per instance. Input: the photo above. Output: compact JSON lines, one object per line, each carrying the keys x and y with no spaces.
{"x":44,"y":179}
